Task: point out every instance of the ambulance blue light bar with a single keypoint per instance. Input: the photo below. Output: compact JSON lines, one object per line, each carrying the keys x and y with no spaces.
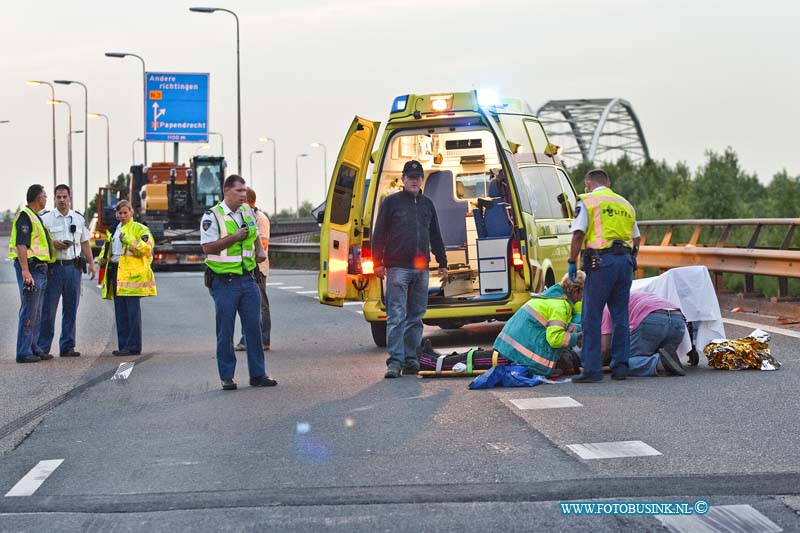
{"x":400,"y":103}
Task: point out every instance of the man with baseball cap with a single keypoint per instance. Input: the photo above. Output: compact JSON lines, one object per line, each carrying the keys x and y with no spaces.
{"x":404,"y":234}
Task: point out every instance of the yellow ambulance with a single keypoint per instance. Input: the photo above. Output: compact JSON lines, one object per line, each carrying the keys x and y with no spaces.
{"x":503,"y":200}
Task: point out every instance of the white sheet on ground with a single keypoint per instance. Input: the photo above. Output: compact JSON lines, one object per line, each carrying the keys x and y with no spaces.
{"x":690,"y":289}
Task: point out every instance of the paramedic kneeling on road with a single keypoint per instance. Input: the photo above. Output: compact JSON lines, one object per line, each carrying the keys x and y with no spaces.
{"x":229,"y":237}
{"x":536,"y":333}
{"x":406,"y":230}
{"x":605,"y":226}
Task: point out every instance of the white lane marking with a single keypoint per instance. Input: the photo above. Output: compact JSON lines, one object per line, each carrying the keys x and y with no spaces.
{"x":612,"y":450}
{"x":31,"y":482}
{"x":124,"y":371}
{"x":286,"y":288}
{"x":545,"y":403}
{"x":353,"y":303}
{"x":719,"y":519}
{"x":273,"y":284}
{"x":306,"y":292}
{"x":360,"y":312}
{"x":771,"y":329}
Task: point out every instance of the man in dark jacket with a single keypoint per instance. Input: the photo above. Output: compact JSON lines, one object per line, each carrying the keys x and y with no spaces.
{"x":406,"y":230}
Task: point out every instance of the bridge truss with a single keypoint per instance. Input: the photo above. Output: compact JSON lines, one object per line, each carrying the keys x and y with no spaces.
{"x":598,"y":129}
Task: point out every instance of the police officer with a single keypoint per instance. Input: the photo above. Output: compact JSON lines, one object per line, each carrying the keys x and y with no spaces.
{"x":229,"y":237}
{"x":32,"y":250}
{"x":70,"y":236}
{"x":605,"y":226}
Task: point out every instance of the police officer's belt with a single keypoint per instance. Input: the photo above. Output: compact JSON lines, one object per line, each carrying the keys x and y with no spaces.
{"x":617,"y":248}
{"x":68,"y":262}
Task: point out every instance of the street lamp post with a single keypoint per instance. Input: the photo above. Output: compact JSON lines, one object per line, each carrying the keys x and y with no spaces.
{"x":324,"y":165}
{"x":201,"y":148}
{"x":297,"y":180}
{"x":254,"y":152}
{"x":133,"y":150}
{"x":274,"y":173}
{"x":238,"y":82}
{"x":34,"y":83}
{"x":144,"y":94}
{"x":85,"y":138}
{"x":69,"y":139}
{"x":108,"y":144}
{"x":221,"y":142}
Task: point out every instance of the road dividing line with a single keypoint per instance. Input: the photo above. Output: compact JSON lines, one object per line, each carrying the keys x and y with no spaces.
{"x":288,"y":287}
{"x":553,"y":402}
{"x":124,"y":371}
{"x":612,"y":450}
{"x":34,"y":479}
{"x":273,"y":284}
{"x":721,"y":518}
{"x":306,"y":292}
{"x":771,"y":329}
{"x":354,"y":303}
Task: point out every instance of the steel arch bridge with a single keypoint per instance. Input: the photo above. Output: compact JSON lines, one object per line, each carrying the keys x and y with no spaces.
{"x":596,"y":129}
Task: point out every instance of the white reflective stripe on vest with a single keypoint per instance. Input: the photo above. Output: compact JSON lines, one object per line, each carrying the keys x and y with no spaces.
{"x":225,"y":258}
{"x":248,"y":253}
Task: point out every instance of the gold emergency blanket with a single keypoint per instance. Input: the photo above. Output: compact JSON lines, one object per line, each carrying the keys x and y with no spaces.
{"x":745,"y":353}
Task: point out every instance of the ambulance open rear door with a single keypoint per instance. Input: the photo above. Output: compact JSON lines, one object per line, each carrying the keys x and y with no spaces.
{"x":340,"y":276}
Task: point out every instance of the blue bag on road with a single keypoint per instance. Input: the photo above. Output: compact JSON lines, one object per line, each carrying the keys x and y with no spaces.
{"x":505,"y":376}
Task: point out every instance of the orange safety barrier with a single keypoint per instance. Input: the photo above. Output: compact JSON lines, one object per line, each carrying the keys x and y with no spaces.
{"x":739,"y":246}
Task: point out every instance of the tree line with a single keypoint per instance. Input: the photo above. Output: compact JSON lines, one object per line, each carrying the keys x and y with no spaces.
{"x":718,"y":189}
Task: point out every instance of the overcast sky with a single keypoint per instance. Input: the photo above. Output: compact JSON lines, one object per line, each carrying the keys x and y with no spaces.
{"x":700,"y":74}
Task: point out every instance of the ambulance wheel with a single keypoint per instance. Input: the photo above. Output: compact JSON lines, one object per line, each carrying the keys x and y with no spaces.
{"x":378,"y":333}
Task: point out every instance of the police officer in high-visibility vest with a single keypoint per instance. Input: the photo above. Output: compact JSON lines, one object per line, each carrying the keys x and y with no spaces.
{"x":229,"y":237}
{"x":32,"y":250}
{"x":605,"y":227}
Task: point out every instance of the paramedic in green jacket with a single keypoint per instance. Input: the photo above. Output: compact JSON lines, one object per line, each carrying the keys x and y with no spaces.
{"x":537,"y":332}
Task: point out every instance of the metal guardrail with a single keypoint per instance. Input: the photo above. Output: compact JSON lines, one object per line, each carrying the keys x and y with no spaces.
{"x":722,"y":253}
{"x":310,"y":248}
{"x":291,"y":226}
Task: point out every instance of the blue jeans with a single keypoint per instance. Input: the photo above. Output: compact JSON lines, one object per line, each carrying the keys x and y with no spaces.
{"x":656,"y":331}
{"x":128,"y":313}
{"x":266,"y":321}
{"x":406,"y":301}
{"x":30,"y":310}
{"x":63,"y":282}
{"x":608,"y":284}
{"x":238,"y":294}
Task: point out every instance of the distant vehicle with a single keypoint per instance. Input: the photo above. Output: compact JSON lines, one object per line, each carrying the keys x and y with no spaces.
{"x":170,"y":199}
{"x":503,"y":200}
{"x":106,"y":219}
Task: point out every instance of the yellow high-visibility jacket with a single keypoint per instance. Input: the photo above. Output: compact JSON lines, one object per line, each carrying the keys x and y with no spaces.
{"x":134,"y":275}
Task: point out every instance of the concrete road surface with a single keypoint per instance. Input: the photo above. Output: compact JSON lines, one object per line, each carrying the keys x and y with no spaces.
{"x":335,"y":446}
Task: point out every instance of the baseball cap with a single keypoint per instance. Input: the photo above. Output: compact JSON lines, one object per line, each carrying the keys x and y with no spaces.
{"x":413,"y":168}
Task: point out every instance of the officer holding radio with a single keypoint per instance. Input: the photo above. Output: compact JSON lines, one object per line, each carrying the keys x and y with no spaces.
{"x":70,"y":236}
{"x":31,"y":249}
{"x":605,"y":227}
{"x":229,"y":237}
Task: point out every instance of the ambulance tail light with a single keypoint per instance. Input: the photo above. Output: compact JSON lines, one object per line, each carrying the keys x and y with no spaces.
{"x":516,"y":256}
{"x":367,"y":265}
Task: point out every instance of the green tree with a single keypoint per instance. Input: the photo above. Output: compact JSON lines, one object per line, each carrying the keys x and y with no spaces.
{"x":721,"y":189}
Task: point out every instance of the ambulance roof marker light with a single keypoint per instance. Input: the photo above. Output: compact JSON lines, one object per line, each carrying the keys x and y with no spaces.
{"x":487,"y":98}
{"x":400,"y":103}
